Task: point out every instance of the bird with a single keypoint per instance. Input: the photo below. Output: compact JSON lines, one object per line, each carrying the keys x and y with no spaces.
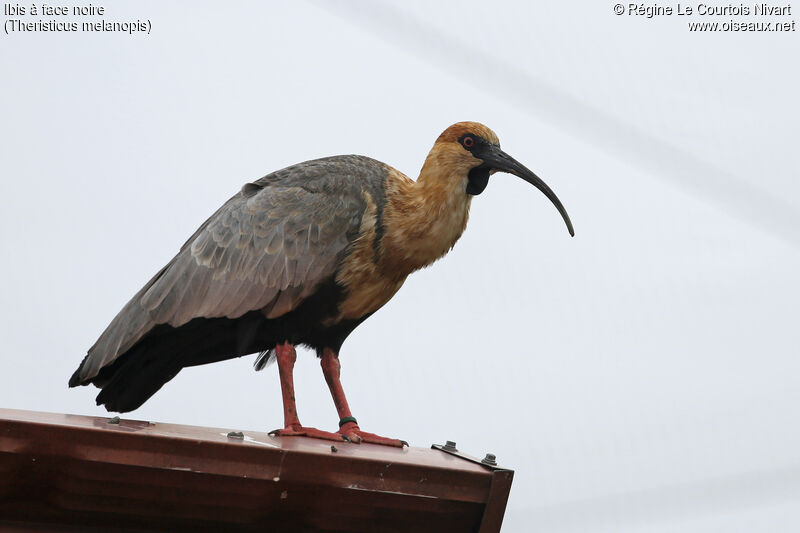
{"x":301,"y":256}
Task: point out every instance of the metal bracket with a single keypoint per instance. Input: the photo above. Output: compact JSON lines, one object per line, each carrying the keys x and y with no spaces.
{"x":471,"y":459}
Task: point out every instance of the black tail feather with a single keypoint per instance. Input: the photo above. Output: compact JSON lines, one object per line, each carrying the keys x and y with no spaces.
{"x":140,"y":372}
{"x":136,"y":381}
{"x":264,"y":359}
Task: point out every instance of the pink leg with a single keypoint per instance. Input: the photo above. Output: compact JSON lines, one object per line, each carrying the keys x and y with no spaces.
{"x":331,"y":368}
{"x":286,"y":356}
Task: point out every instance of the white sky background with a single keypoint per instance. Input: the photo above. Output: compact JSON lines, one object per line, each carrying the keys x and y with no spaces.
{"x":643,"y":376}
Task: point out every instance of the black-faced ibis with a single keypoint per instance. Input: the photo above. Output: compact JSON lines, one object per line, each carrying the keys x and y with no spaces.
{"x":300,"y":256}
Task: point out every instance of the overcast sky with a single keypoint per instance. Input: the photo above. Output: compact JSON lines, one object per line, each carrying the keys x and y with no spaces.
{"x":642,"y":376}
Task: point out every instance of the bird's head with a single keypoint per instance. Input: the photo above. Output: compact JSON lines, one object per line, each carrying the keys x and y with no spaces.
{"x":471,"y":150}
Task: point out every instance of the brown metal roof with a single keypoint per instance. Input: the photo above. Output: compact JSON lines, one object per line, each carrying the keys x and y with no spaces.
{"x":82,"y":472}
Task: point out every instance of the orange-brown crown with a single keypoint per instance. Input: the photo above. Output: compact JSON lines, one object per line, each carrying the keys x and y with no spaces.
{"x":454,"y":132}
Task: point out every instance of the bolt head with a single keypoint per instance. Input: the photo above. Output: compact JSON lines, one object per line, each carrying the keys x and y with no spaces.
{"x":450,"y":446}
{"x":490,"y":459}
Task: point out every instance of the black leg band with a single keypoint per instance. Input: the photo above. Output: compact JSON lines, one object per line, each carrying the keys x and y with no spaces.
{"x":347,"y":419}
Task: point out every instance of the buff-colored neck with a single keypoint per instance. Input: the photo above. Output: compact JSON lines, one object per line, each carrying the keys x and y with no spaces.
{"x":424,"y":219}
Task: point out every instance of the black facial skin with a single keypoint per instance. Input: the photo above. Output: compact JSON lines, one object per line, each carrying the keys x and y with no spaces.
{"x":478,"y":179}
{"x":478,"y":176}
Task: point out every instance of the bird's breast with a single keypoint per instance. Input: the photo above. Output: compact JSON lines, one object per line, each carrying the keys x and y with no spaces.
{"x":414,"y":225}
{"x":423,"y":221}
{"x":367,"y":285}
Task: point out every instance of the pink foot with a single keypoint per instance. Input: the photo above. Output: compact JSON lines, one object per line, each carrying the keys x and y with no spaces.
{"x":296,"y":430}
{"x":350,"y":431}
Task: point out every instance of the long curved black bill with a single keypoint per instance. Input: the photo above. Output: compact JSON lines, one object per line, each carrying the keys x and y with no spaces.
{"x":501,"y":161}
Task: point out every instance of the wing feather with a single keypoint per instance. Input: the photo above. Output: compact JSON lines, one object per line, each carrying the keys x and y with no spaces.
{"x":269,"y":247}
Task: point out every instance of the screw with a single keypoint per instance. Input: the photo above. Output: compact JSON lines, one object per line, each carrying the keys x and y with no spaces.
{"x":236,"y":435}
{"x":114,"y":420}
{"x":490,"y":460}
{"x":334,"y":449}
{"x":450,"y":446}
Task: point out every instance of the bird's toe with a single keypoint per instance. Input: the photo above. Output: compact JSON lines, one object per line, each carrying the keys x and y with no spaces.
{"x":351,"y":432}
{"x":351,"y":437}
{"x":302,"y":431}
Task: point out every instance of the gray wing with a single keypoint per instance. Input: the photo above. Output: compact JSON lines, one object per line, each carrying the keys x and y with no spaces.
{"x":269,"y":247}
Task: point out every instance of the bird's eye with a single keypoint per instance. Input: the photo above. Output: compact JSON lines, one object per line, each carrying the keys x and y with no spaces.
{"x":468,"y":142}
